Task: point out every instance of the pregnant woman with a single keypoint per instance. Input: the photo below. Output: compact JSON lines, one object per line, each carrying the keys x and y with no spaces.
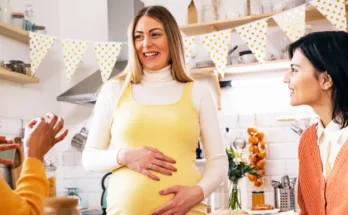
{"x":147,"y":123}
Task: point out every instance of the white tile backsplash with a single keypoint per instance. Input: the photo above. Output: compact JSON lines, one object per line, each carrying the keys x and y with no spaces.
{"x":281,"y":159}
{"x":275,"y":167}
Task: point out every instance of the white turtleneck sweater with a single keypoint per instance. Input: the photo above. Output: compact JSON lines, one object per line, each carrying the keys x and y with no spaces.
{"x":157,"y":87}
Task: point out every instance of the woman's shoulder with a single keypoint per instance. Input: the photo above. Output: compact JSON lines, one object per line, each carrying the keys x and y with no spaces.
{"x":201,"y":90}
{"x":112,"y":86}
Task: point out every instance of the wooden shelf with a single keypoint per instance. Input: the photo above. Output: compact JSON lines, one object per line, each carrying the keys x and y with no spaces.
{"x":14,"y":32}
{"x":312,"y":14}
{"x":17,"y":77}
{"x":243,"y":68}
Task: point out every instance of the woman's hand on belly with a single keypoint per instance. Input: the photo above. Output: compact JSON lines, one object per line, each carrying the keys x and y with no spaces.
{"x":144,"y":159}
{"x":186,"y":197}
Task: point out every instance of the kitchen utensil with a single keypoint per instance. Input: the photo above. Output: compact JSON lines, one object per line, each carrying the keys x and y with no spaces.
{"x":104,"y":193}
{"x":246,"y":57}
{"x":276,"y":184}
{"x":16,"y":167}
{"x":293,"y":182}
{"x":285,"y":181}
{"x":79,"y":140}
{"x":232,"y":50}
{"x":239,"y":143}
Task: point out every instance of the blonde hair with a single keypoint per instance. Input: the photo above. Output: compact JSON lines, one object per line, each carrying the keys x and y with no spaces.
{"x":133,"y":73}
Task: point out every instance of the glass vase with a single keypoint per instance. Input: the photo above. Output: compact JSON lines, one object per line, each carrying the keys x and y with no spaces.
{"x":234,"y":202}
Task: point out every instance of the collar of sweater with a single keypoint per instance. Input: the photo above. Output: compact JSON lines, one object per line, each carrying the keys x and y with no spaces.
{"x":158,"y":77}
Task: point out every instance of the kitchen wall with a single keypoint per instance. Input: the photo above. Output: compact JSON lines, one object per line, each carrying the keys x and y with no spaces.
{"x":263,"y":94}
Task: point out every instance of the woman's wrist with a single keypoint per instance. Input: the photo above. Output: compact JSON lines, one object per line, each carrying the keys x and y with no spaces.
{"x":199,"y":192}
{"x":122,"y":157}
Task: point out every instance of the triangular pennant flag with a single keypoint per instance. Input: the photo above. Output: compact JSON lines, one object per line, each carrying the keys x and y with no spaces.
{"x":73,"y":51}
{"x":107,"y":55}
{"x":334,"y":11}
{"x":217,"y":44}
{"x":39,"y":45}
{"x":292,"y":22}
{"x":189,"y":42}
{"x":254,"y":34}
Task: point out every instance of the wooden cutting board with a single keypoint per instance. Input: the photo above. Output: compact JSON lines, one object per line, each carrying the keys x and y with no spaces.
{"x":16,"y":167}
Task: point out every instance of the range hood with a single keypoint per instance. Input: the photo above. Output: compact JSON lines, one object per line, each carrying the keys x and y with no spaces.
{"x":120,"y":13}
{"x":85,"y":92}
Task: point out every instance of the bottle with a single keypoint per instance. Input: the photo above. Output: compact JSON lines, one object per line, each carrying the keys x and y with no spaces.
{"x":28,"y":18}
{"x":60,"y":206}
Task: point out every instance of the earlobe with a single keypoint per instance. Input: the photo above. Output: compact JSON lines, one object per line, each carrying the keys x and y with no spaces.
{"x":326,"y":81}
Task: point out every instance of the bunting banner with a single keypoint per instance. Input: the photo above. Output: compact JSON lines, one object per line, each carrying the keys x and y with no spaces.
{"x":292,"y":22}
{"x":39,"y":45}
{"x":189,"y":42}
{"x":73,"y":51}
{"x":217,"y":44}
{"x":107,"y":55}
{"x":254,"y":34}
{"x":334,"y":11}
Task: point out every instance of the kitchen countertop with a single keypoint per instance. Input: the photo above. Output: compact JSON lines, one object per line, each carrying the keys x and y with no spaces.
{"x":92,"y":211}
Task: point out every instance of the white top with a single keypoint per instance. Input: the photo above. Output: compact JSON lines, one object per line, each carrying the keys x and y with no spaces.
{"x":157,"y":87}
{"x":334,"y":134}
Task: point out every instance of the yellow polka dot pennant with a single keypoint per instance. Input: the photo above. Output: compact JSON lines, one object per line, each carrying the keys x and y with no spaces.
{"x":107,"y":55}
{"x":334,"y":11}
{"x":292,"y":22}
{"x":217,"y":44}
{"x":73,"y":51}
{"x":189,"y":42}
{"x":254,"y":34}
{"x":39,"y":45}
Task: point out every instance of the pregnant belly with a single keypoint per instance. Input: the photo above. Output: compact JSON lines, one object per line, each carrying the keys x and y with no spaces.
{"x":131,"y":193}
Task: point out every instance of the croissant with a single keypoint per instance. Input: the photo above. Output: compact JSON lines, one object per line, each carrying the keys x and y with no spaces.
{"x":262,"y":207}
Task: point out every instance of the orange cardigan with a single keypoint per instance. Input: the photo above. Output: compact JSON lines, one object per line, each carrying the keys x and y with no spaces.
{"x":32,"y":188}
{"x":315,"y":195}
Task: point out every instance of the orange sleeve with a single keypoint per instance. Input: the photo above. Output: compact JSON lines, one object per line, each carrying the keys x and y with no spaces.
{"x":32,"y":188}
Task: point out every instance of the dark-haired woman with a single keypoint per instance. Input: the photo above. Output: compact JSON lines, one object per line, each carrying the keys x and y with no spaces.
{"x":319,"y":78}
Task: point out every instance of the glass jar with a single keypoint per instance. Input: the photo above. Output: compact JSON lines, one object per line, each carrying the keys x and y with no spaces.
{"x":29,"y":18}
{"x":72,"y":193}
{"x":51,"y":176}
{"x":40,"y":29}
{"x":60,"y":206}
{"x":18,"y":19}
{"x":258,"y":197}
{"x":28,"y":69}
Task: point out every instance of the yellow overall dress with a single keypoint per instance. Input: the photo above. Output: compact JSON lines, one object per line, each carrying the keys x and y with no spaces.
{"x":171,"y":128}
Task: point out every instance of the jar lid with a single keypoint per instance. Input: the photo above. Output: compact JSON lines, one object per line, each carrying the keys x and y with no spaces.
{"x":257,"y":192}
{"x":39,"y":27}
{"x":18,"y":14}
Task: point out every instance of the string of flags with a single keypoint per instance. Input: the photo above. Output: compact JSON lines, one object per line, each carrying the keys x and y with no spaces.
{"x":254,"y":34}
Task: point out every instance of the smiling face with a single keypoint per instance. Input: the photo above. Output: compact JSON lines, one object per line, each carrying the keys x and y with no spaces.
{"x":151,"y":43}
{"x":304,"y":86}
